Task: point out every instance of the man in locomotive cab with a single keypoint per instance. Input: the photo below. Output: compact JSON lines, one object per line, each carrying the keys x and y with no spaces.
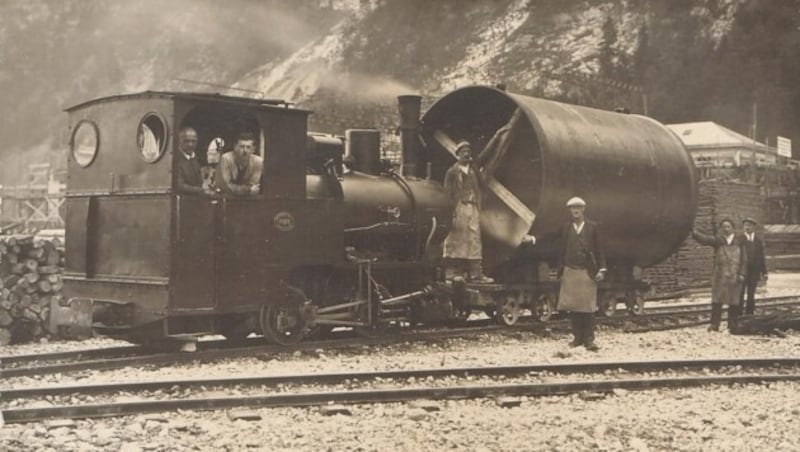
{"x":582,"y":266}
{"x":462,"y":247}
{"x":239,"y":172}
{"x":188,"y":170}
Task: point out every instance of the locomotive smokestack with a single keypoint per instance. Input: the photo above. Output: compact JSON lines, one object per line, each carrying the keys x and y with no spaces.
{"x":409,"y":106}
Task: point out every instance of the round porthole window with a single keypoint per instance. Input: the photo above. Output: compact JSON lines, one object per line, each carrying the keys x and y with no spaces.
{"x":84,"y":143}
{"x":152,"y":136}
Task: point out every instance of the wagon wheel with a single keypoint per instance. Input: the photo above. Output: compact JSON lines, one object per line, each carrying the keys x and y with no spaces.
{"x":508,"y":311}
{"x":608,"y":304}
{"x":636,"y":304}
{"x":545,"y":306}
{"x":282,"y":322}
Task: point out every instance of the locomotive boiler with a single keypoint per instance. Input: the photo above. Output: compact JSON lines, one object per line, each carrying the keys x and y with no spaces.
{"x":337,"y":238}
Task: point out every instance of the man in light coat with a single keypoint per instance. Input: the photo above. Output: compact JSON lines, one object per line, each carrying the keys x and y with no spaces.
{"x":462,"y":247}
{"x":730,"y":265}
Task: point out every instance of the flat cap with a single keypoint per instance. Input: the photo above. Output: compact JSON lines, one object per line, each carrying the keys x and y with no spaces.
{"x":463,"y":146}
{"x":576,"y":201}
{"x":750,"y":220}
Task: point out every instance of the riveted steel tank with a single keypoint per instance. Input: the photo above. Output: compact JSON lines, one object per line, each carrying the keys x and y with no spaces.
{"x":637,"y":178}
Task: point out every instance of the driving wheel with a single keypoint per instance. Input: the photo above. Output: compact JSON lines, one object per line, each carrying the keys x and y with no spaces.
{"x":282,"y":321}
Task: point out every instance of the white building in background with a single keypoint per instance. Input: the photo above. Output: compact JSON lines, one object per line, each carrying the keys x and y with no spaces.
{"x":714,"y":146}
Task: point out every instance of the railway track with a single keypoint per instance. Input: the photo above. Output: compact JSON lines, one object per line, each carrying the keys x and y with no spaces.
{"x":386,"y":386}
{"x":212,"y":350}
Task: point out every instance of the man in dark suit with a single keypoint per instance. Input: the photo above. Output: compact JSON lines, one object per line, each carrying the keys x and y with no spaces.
{"x":582,"y":265}
{"x":188,"y":173}
{"x":756,"y":264}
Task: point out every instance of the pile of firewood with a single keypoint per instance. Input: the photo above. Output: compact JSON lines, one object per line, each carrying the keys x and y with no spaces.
{"x":30,"y":276}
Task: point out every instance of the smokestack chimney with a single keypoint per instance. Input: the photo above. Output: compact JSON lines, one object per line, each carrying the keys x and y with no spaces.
{"x":409,"y":106}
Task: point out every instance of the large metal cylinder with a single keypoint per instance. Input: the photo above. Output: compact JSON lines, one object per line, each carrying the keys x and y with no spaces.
{"x":637,"y":178}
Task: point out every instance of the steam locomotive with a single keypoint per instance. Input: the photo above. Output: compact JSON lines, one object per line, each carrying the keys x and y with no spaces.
{"x":336,"y":238}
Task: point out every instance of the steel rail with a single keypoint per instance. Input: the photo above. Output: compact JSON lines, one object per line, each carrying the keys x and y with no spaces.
{"x":104,"y":358}
{"x":338,"y":377}
{"x":250,"y":351}
{"x":24,"y":415}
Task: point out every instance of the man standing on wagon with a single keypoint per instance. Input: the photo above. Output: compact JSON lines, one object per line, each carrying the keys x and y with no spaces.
{"x":462,"y":247}
{"x":582,"y":265}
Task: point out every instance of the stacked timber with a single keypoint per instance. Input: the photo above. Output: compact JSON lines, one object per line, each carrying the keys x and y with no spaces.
{"x":782,"y":246}
{"x":30,"y":276}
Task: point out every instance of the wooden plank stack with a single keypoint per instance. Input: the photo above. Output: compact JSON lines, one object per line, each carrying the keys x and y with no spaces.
{"x":30,"y":276}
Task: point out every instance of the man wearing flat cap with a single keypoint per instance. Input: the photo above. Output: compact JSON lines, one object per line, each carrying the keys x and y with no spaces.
{"x":582,"y":265}
{"x":756,"y":267}
{"x":462,"y":247}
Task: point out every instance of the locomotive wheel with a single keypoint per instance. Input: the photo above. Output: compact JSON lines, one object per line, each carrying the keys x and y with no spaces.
{"x":282,"y":322}
{"x":545,"y":307}
{"x":509,"y":311}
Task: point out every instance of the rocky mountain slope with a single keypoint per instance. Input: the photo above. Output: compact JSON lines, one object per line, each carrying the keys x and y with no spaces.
{"x":676,"y":60}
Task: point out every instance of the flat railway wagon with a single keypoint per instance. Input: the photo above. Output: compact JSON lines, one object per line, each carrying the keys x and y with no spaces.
{"x":336,"y":238}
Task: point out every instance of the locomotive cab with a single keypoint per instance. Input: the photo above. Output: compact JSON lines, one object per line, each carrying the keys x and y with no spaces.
{"x":153,"y":262}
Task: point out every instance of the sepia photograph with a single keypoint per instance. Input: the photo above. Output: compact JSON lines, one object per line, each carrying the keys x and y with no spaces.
{"x":400,"y":225}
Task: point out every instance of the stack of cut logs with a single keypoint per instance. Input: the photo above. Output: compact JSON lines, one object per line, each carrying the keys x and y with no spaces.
{"x":30,"y":276}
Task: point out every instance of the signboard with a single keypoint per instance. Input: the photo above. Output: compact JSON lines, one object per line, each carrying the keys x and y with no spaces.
{"x":784,"y":147}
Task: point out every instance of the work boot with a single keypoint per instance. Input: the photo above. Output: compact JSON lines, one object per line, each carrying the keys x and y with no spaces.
{"x":483,"y":279}
{"x":592,"y":347}
{"x":734,"y":312}
{"x":476,"y":273}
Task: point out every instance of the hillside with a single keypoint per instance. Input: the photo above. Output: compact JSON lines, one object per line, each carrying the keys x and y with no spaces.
{"x":680,"y":60}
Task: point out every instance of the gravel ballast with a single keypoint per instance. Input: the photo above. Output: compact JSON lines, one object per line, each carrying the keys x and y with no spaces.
{"x":752,"y":417}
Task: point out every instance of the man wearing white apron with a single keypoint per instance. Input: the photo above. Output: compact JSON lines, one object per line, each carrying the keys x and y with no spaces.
{"x":582,"y":266}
